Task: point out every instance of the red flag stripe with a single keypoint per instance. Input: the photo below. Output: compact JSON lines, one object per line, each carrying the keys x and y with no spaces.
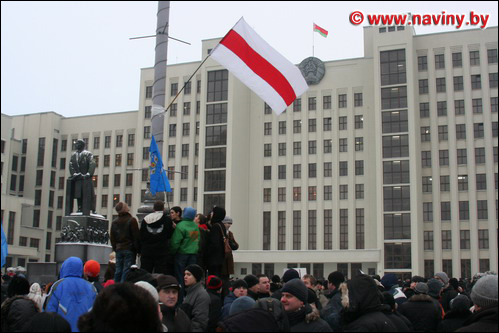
{"x":324,"y":31}
{"x":264,"y":69}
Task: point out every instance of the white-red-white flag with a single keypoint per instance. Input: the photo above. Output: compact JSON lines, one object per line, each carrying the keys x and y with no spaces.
{"x":260,"y":67}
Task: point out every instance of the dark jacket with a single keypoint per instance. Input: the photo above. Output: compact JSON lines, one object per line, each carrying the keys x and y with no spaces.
{"x":361,"y":303}
{"x":176,"y":320}
{"x":156,"y":230}
{"x":253,"y":320}
{"x":399,"y":321}
{"x":447,"y":295}
{"x":216,"y":256}
{"x":198,"y":300}
{"x":423,"y":312}
{"x":17,"y":312}
{"x":307,"y":320}
{"x":454,"y":320}
{"x":483,"y":321}
{"x":215,"y":313}
{"x":228,"y":300}
{"x":331,"y":313}
{"x":125,"y":233}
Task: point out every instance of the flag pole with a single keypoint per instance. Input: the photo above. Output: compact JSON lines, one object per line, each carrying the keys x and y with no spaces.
{"x":313,"y":40}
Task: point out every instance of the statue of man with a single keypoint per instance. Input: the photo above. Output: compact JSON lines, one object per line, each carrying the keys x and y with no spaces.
{"x":79,"y":184}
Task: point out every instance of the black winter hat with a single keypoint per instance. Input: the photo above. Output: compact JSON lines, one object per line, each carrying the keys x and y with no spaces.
{"x":218,"y":214}
{"x":289,"y":275}
{"x":297,"y":288}
{"x":136,"y":274}
{"x":251,"y":280}
{"x":18,"y":286}
{"x":336,"y":278}
{"x":196,"y":271}
{"x":238,"y":284}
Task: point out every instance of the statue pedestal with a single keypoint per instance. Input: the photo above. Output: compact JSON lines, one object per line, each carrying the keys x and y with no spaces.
{"x":85,"y":237}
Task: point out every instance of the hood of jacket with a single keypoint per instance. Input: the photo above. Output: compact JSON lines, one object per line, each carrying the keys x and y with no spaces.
{"x":153,"y":217}
{"x":72,"y":267}
{"x":218,"y":214}
{"x":359,"y":296}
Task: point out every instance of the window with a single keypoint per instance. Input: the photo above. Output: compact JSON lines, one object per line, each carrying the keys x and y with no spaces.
{"x":482,"y":210}
{"x":424,"y":110}
{"x":216,"y":113}
{"x":440,"y":83}
{"x":343,"y":192}
{"x":428,"y":240}
{"x":427,"y":211}
{"x":266,"y":230}
{"x":464,"y":239}
{"x":173,"y":89}
{"x":445,"y":211}
{"x":481,"y":182}
{"x":342,"y":123}
{"x":393,"y":98}
{"x":477,"y":105}
{"x":479,"y":155}
{"x":282,"y":149}
{"x":359,"y":191}
{"x":493,"y":80}
{"x":312,"y":193}
{"x":216,"y":135}
{"x":149,"y":92}
{"x":312,"y":103}
{"x":215,"y":158}
{"x":342,"y":101}
{"x":474,"y":58}
{"x":297,"y":194}
{"x":397,"y":198}
{"x":312,"y":125}
{"x":422,"y":63}
{"x":281,"y":230}
{"x":359,"y":168}
{"x":328,"y":192}
{"x":357,"y":99}
{"x":443,"y":133}
{"x":483,"y":239}
{"x":393,"y":69}
{"x":117,"y":160}
{"x":187,"y":88}
{"x":282,"y":172}
{"x":328,"y":169}
{"x":267,"y":129}
{"x":119,"y":140}
{"x":462,"y":156}
{"x":398,"y":256}
{"x":462,"y":183}
{"x":423,"y":87}
{"x":296,"y":171}
{"x":296,"y":230}
{"x":343,"y":145}
{"x":427,"y":184}
{"x":186,"y":129}
{"x":312,"y":230}
{"x":312,"y":170}
{"x":476,"y":82}
{"x":492,"y":56}
{"x":267,"y":173}
{"x":457,"y":60}
{"x":214,"y":180}
{"x":395,"y":146}
{"x":359,"y":144}
{"x":297,"y":105}
{"x":458,"y":83}
{"x":439,"y":61}
{"x":282,"y":127}
{"x":460,"y":131}
{"x":394,"y":121}
{"x":459,"y":107}
{"x":328,"y":146}
{"x":464,"y":210}
{"x":446,"y":240}
{"x":281,"y":194}
{"x":296,"y":148}
{"x":443,"y":157}
{"x":218,"y":83}
{"x":267,"y":195}
{"x":326,"y":102}
{"x":343,"y":169}
{"x":359,"y":122}
{"x":426,"y":159}
{"x":396,"y":172}
{"x":328,"y":229}
{"x":343,"y":229}
{"x":312,"y":147}
{"x":442,"y":109}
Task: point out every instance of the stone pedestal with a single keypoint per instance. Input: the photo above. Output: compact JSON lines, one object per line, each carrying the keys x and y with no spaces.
{"x":85,"y":237}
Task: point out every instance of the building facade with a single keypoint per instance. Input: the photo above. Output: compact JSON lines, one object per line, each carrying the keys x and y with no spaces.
{"x":388,"y":163}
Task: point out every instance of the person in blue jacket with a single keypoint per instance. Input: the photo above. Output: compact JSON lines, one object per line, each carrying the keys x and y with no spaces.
{"x":71,"y":296}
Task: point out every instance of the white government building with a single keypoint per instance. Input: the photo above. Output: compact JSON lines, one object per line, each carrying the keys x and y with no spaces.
{"x":386,"y":164}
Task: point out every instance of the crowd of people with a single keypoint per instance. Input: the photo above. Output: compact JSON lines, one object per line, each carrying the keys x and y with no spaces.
{"x":183,"y":285}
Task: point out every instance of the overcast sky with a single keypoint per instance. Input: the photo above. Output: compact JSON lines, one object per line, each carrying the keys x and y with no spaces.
{"x":75,"y":58}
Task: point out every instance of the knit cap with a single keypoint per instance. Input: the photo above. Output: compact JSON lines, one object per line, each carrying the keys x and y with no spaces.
{"x":227,"y":219}
{"x":443,"y":276}
{"x":389,"y":280}
{"x":241,"y":304}
{"x":189,"y":213}
{"x":213,"y":282}
{"x":484,"y":293}
{"x":149,"y":288}
{"x":238,"y":284}
{"x":196,"y":271}
{"x":336,"y":278}
{"x":434,"y":287}
{"x":92,"y":268}
{"x":251,"y":280}
{"x":297,"y":288}
{"x":289,"y":275}
{"x":421,"y":288}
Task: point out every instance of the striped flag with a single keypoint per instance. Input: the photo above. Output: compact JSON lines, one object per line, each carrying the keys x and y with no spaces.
{"x":158,"y":179}
{"x":260,"y":67}
{"x":320,"y":30}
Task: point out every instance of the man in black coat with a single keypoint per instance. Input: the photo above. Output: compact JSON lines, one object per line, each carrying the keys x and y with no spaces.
{"x":422,"y":310}
{"x":156,"y":230}
{"x":484,"y":295}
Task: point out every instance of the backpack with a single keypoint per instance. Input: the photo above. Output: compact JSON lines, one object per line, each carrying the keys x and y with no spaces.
{"x":275,"y":307}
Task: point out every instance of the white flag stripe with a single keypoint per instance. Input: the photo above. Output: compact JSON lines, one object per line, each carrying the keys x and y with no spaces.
{"x":283,"y":65}
{"x":254,"y":82}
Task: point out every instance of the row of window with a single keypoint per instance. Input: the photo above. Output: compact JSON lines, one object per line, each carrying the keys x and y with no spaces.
{"x":457,"y":60}
{"x":440,"y":84}
{"x":459,"y":107}
{"x":358,"y":101}
{"x":482,"y":211}
{"x":312,"y":193}
{"x":312,"y":147}
{"x":462,"y":183}
{"x":483,"y":264}
{"x":312,"y":125}
{"x":312,"y":229}
{"x":461,"y":157}
{"x":312,"y":170}
{"x":443,"y":132}
{"x":464,"y":240}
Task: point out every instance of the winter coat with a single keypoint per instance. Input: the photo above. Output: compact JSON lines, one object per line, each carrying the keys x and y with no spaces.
{"x":198,"y":300}
{"x":446,"y":296}
{"x":228,"y":300}
{"x":453,"y":321}
{"x":331,"y":313}
{"x":216,"y":255}
{"x":176,"y":320}
{"x":482,"y":321}
{"x":228,"y":267}
{"x":71,"y":296}
{"x":423,"y":312}
{"x":253,"y":320}
{"x":17,"y":312}
{"x":307,"y":320}
{"x":215,"y":312}
{"x":401,"y":323}
{"x":185,"y":239}
{"x":361,"y":303}
{"x":125,"y":233}
{"x":156,"y":230}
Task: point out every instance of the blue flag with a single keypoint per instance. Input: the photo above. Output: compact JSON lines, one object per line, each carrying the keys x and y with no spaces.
{"x":4,"y":247}
{"x":158,"y":179}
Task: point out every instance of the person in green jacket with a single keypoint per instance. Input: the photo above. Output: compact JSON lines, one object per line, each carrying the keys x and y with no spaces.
{"x":184,"y":243}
